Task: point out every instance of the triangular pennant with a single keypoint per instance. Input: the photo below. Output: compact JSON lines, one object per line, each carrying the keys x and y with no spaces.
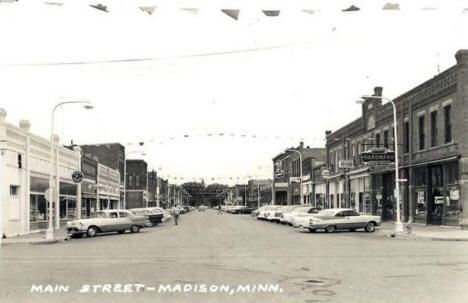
{"x":190,"y":10}
{"x":391,"y":6}
{"x":271,"y":13}
{"x":233,"y":13}
{"x":309,"y":11}
{"x":100,"y":7}
{"x":148,"y":9}
{"x":352,"y":8}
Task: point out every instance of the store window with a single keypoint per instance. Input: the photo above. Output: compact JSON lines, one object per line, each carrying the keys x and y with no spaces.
{"x":38,"y":208}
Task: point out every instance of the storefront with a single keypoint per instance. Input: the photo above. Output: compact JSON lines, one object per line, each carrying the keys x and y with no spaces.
{"x":436,"y":194}
{"x":320,"y":195}
{"x":88,"y":199}
{"x":360,"y":195}
{"x":336,"y":188}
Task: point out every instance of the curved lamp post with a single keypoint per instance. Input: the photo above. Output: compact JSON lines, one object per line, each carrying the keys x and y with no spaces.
{"x":399,"y":227}
{"x":50,"y":230}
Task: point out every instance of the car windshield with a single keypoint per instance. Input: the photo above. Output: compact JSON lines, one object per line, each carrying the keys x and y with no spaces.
{"x":302,"y":209}
{"x":99,"y":215}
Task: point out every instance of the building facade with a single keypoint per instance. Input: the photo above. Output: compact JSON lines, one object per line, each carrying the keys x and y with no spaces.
{"x":136,"y":184}
{"x":111,"y":155}
{"x":432,"y":119}
{"x":255,"y":188}
{"x":287,"y":180}
{"x":24,"y":180}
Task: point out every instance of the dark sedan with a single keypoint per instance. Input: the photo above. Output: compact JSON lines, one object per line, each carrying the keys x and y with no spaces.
{"x":153,"y":216}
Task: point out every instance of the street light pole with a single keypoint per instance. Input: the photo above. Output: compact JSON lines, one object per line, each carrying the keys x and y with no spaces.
{"x":300,"y":171}
{"x":399,"y":227}
{"x":50,"y":229}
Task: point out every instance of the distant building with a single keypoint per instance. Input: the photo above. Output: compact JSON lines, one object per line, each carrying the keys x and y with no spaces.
{"x":255,"y":188}
{"x":287,"y":178}
{"x":111,"y":155}
{"x":136,"y":184}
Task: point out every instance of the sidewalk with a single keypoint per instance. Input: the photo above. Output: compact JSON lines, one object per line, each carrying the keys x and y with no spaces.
{"x":37,"y":238}
{"x":424,"y":232}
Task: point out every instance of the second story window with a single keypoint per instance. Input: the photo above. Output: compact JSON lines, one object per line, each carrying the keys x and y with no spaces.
{"x":385,"y":138}
{"x":447,"y":124}
{"x":434,"y":128}
{"x":130,"y":180}
{"x":422,"y":142}
{"x":138,"y":181}
{"x":406,"y":137}
{"x":377,"y":140}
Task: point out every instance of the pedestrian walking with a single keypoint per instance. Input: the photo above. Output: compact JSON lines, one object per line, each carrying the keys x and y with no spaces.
{"x":176,"y":214}
{"x":219,"y":210}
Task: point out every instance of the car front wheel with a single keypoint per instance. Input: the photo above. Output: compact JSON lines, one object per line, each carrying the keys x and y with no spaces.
{"x":92,"y":231}
{"x":370,"y":227}
{"x":330,"y":229}
{"x":135,"y":228}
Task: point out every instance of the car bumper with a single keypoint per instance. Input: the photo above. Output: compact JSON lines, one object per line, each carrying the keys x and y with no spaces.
{"x":75,"y":230}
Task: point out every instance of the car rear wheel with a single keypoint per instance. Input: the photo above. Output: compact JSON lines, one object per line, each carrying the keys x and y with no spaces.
{"x":135,"y":228}
{"x":92,"y":231}
{"x":312,"y":230}
{"x":370,"y":227}
{"x":330,"y":228}
{"x":121,"y":231}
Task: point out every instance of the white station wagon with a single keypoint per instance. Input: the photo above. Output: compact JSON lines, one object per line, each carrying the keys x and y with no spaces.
{"x":118,"y":220}
{"x":338,"y":219}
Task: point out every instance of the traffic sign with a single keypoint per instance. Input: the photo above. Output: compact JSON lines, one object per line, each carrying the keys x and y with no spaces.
{"x":77,"y":176}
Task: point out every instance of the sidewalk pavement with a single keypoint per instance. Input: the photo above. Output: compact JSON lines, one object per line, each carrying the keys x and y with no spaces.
{"x":60,"y":235}
{"x":424,"y":232}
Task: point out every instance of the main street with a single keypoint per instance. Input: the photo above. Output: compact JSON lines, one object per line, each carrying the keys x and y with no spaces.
{"x":211,"y":249}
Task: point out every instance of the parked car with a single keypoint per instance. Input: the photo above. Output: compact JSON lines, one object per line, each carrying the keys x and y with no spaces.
{"x":339,"y":219}
{"x":264,"y":211}
{"x":288,"y":217}
{"x":186,"y":208}
{"x":270,"y":214}
{"x":166,"y":214}
{"x":155,"y":217}
{"x":242,"y":210}
{"x":118,"y":220}
{"x":281,"y":210}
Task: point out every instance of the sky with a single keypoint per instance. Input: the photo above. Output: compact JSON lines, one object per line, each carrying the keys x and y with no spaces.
{"x":177,"y":79}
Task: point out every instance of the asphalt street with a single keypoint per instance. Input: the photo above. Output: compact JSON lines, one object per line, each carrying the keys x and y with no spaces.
{"x":231,"y":250}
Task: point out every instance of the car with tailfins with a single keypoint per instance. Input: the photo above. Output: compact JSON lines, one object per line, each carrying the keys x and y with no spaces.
{"x":338,"y":219}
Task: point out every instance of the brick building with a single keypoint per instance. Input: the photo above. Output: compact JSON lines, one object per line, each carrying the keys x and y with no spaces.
{"x":432,"y":120}
{"x":136,"y":184}
{"x":287,"y":174}
{"x":254,"y":192}
{"x":111,"y":155}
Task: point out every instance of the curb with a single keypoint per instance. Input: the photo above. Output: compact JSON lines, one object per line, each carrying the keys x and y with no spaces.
{"x":35,"y":241}
{"x":416,"y":237}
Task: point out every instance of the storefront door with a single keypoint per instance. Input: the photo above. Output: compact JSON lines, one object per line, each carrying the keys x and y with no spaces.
{"x":437,"y":198}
